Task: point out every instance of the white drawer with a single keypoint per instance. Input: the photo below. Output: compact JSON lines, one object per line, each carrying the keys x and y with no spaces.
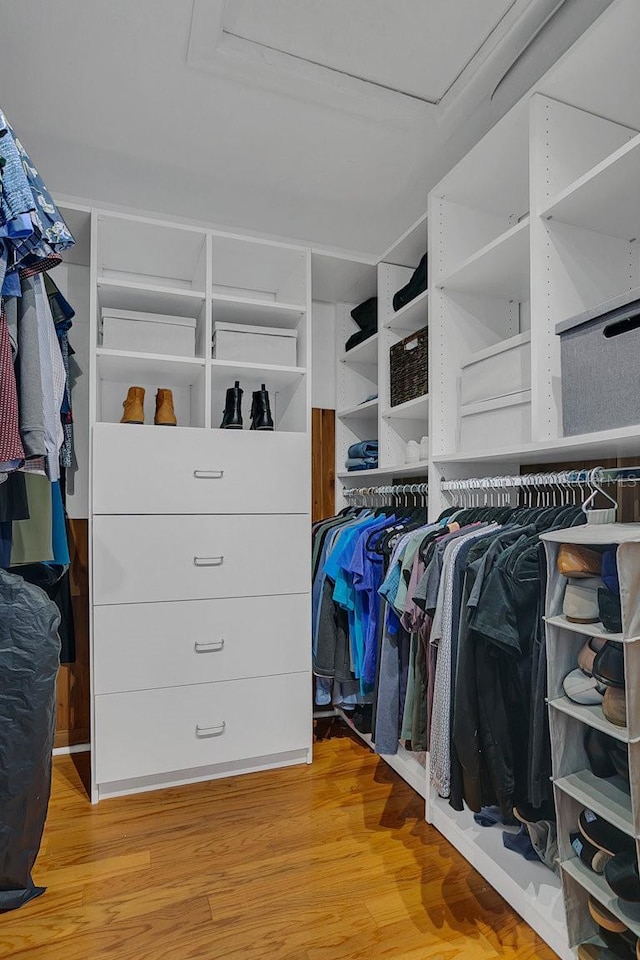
{"x":142,"y":559}
{"x":139,"y":646}
{"x":143,"y":469}
{"x":158,"y":731}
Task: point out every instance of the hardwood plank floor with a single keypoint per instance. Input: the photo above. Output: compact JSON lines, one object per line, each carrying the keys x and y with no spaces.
{"x":328,"y":862}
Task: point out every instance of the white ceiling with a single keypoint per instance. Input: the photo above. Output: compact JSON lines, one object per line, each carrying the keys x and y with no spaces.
{"x":296,"y":118}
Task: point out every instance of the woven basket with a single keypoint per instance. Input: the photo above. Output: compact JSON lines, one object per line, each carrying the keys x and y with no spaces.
{"x":409,"y":368}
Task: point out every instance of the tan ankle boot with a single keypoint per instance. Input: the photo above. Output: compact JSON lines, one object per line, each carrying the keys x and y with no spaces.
{"x":165,"y":415}
{"x":134,"y":406}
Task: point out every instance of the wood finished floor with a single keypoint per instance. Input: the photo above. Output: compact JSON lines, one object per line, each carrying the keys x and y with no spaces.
{"x":328,"y":862}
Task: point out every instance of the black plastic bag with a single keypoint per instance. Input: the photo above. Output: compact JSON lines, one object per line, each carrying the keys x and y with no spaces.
{"x":29,"y":659}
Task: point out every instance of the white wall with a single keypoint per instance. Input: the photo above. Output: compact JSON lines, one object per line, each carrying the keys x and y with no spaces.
{"x":323,"y":342}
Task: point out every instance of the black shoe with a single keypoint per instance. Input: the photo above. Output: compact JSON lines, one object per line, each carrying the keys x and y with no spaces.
{"x":608,"y":666}
{"x":232,"y":418}
{"x":599,"y":749}
{"x":261,"y":418}
{"x":610,"y":610}
{"x":591,"y":856}
{"x":604,"y":835}
{"x":621,"y":874}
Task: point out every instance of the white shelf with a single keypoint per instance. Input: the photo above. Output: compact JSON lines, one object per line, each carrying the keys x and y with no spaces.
{"x":275,"y":377}
{"x":586,"y":629}
{"x":365,"y":353}
{"x":416,"y":409}
{"x":621,"y":442}
{"x":342,"y":278}
{"x":499,"y":269}
{"x":121,"y":366}
{"x":413,"y":316}
{"x":401,"y":470}
{"x":260,"y":313}
{"x":597,"y":886}
{"x":532,"y":889}
{"x":149,"y":298}
{"x":361,"y":411}
{"x":596,"y":534}
{"x":606,"y":198}
{"x":608,"y":798}
{"x":409,"y":249}
{"x":591,"y":716}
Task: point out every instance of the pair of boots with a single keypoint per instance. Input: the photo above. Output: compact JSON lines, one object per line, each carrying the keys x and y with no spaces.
{"x":134,"y":407}
{"x":261,"y":418}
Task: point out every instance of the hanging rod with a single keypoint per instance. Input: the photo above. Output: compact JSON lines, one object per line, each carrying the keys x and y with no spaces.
{"x":561,"y":478}
{"x":388,"y":491}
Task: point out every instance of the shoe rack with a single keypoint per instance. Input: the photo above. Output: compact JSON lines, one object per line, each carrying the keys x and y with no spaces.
{"x":164,"y":268}
{"x":576,"y":787}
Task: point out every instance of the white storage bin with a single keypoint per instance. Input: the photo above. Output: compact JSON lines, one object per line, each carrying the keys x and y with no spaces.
{"x":249,"y":344}
{"x":148,"y":332}
{"x":503,"y":422}
{"x":498,"y":371}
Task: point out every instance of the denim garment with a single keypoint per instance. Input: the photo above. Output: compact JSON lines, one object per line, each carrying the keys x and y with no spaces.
{"x":366,"y":448}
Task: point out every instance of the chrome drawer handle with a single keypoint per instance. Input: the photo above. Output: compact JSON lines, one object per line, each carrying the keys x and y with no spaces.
{"x":208,"y":561}
{"x":208,"y":474}
{"x":215,"y":731}
{"x":201,"y":647}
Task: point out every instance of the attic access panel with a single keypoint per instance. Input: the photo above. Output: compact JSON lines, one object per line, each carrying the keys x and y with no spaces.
{"x":410,"y":46}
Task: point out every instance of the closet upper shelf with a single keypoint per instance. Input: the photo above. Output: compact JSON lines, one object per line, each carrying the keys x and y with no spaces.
{"x":259,"y":313}
{"x":149,"y":298}
{"x":121,"y":366}
{"x":258,"y":269}
{"x":400,"y":470}
{"x":621,"y":442}
{"x":409,"y":249}
{"x":412,"y":317}
{"x":610,"y":798}
{"x":365,"y":353}
{"x":499,"y":269}
{"x":606,"y":199}
{"x":150,"y":253}
{"x":360,"y":411}
{"x":416,"y":409}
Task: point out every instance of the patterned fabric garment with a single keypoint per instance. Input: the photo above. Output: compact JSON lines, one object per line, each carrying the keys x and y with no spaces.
{"x":34,"y":230}
{"x":11,"y":449}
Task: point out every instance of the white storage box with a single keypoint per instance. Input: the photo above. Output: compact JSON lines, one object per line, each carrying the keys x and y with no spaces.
{"x":250,"y":344}
{"x":498,"y":371}
{"x":503,"y":422}
{"x":148,"y":332}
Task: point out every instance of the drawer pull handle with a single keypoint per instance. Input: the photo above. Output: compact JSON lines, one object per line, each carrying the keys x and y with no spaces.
{"x":202,"y":647}
{"x":208,"y":474}
{"x":216,"y":731}
{"x":208,"y":561}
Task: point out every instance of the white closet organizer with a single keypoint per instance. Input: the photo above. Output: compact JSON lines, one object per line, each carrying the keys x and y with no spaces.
{"x":200,"y":536}
{"x":365,"y":370}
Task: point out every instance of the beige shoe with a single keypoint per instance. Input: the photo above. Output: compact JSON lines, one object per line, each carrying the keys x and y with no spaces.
{"x":614,"y":706}
{"x":575,"y":561}
{"x":165,"y":414}
{"x":580,"y":603}
{"x":134,"y":406}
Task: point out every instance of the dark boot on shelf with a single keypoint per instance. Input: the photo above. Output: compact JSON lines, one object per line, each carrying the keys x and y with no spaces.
{"x":261,"y":418}
{"x":232,"y":418}
{"x":133,"y":406}
{"x":165,"y":414}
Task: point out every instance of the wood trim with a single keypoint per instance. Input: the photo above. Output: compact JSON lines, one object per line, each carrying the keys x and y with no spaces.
{"x":323,"y":477}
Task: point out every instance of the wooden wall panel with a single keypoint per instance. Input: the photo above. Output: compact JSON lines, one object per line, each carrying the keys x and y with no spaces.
{"x":72,"y":719}
{"x":323,"y":453}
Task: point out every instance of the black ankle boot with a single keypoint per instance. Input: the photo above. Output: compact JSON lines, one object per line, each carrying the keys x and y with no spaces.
{"x":232,"y":419}
{"x":261,"y":418}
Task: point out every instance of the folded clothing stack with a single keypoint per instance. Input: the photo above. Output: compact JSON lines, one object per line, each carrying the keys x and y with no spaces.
{"x":362,"y":456}
{"x":366,"y":317}
{"x":417,"y":285}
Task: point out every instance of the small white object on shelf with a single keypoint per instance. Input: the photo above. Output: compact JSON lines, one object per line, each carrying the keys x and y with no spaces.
{"x":412,"y":454}
{"x":250,"y":344}
{"x":141,"y":332}
{"x":424,"y":448}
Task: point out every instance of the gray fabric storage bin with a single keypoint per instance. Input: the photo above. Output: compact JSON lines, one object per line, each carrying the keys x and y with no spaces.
{"x":600,"y":358}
